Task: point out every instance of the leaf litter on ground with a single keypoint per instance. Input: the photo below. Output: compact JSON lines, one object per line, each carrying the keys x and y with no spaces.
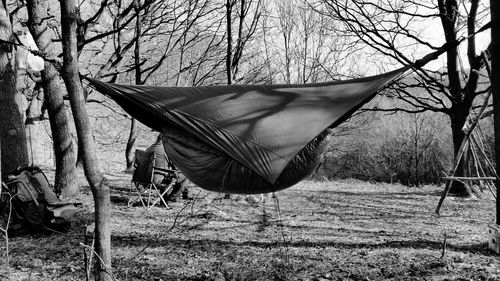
{"x":338,"y":230}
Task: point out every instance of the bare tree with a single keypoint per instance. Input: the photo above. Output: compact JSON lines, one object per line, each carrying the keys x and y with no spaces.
{"x":286,"y":16}
{"x":247,"y":19}
{"x":132,"y":138}
{"x":97,"y":181}
{"x":205,"y":65}
{"x":391,"y":29}
{"x":12,"y":128}
{"x":309,"y":51}
{"x":65,"y":177}
{"x":265,"y":28}
{"x":422,"y":136}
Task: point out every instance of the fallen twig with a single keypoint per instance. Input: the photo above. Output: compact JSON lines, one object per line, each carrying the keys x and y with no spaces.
{"x":6,"y":230}
{"x":108,"y":269}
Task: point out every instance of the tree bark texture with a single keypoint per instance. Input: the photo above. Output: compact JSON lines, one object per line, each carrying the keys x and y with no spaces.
{"x":495,"y":86}
{"x":65,"y":177}
{"x":129,"y":149}
{"x":458,"y":119}
{"x":97,"y":181}
{"x":12,"y":128}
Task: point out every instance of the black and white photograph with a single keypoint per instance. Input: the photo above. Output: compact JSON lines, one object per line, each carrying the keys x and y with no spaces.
{"x":249,"y":140}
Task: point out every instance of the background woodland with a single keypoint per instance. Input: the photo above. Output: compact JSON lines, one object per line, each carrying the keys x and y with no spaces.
{"x":189,"y":43}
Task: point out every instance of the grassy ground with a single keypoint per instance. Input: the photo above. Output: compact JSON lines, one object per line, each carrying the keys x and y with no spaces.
{"x":346,"y":230}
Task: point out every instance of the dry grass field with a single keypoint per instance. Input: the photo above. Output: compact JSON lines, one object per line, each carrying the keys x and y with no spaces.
{"x":346,"y":230}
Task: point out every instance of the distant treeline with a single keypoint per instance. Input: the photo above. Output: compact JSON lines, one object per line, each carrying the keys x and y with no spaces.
{"x":411,"y":149}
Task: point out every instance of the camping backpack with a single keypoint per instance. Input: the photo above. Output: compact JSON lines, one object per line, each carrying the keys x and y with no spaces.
{"x":32,"y":203}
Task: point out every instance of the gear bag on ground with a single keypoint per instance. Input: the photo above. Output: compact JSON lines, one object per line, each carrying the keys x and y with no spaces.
{"x":32,"y":203}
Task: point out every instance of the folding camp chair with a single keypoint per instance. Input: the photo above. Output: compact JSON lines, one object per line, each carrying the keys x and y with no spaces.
{"x":147,"y":191}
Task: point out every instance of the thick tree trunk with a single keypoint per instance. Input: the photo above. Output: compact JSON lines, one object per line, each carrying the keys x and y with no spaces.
{"x":12,"y":128}
{"x":461,"y":102}
{"x":65,"y":177}
{"x":495,"y":85}
{"x":457,"y":123}
{"x":97,"y":181}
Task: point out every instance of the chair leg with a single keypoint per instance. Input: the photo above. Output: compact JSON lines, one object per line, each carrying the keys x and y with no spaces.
{"x":138,"y":196}
{"x":160,"y":197}
{"x":169,"y":188}
{"x":152,"y":191}
{"x":149,"y":196}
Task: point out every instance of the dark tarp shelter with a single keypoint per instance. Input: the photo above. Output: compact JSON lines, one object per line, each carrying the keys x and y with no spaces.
{"x":245,"y":138}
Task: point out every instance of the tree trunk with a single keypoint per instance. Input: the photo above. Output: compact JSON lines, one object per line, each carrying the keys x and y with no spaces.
{"x":457,"y":123}
{"x":229,"y":55}
{"x":65,"y":177}
{"x":132,"y":137}
{"x":79,"y":153}
{"x":97,"y":181}
{"x":461,"y":105}
{"x":12,"y":128}
{"x":129,"y":150}
{"x":495,"y":85}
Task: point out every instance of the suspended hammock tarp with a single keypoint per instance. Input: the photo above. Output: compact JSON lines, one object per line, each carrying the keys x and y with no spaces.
{"x":245,"y":138}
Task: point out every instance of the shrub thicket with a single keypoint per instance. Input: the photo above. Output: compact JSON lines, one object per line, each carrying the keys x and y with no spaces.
{"x":411,"y":149}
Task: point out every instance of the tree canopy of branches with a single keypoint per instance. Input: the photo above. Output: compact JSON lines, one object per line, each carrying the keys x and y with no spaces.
{"x":393,"y":31}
